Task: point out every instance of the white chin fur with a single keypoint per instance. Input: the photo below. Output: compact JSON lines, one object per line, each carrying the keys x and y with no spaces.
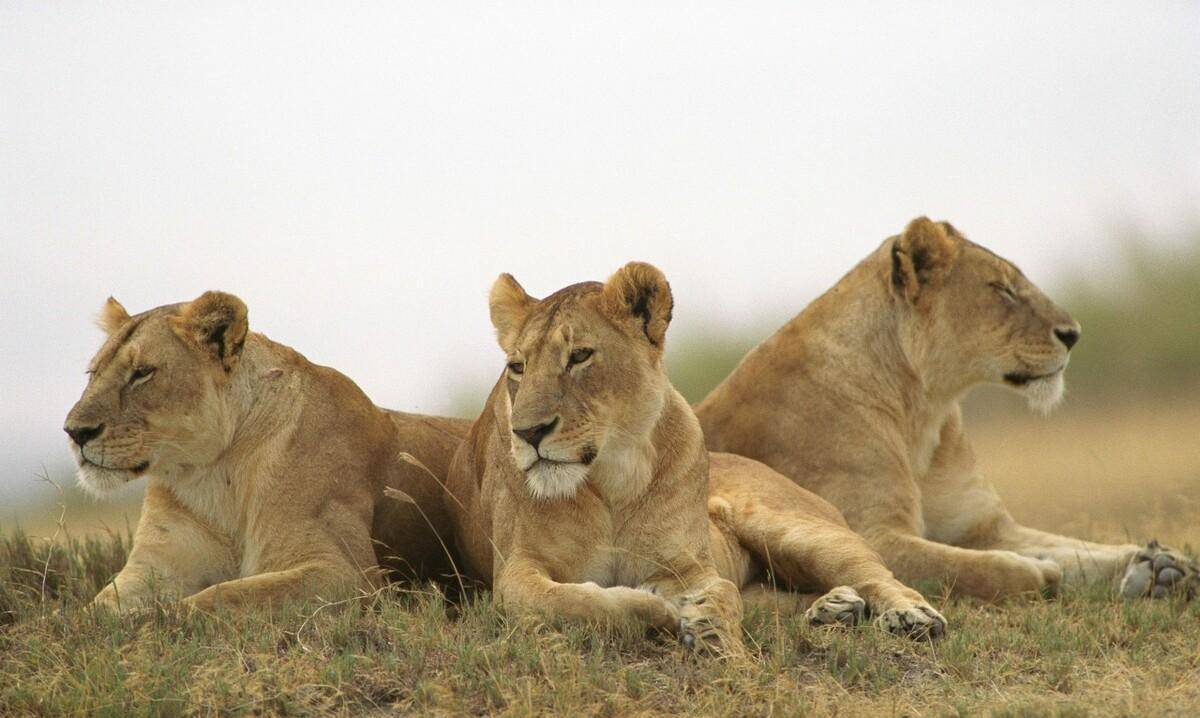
{"x":549,"y":480}
{"x":99,"y":481}
{"x":1043,"y":395}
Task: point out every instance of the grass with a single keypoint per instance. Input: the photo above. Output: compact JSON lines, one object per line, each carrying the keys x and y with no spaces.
{"x":409,"y":651}
{"x":1124,"y":472}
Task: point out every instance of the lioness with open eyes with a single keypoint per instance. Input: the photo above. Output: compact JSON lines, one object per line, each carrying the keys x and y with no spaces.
{"x":266,"y":473}
{"x":857,"y":399}
{"x":584,"y":489}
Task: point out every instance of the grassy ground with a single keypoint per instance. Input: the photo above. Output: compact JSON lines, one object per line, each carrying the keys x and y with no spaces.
{"x":410,"y":652}
{"x":1104,"y":474}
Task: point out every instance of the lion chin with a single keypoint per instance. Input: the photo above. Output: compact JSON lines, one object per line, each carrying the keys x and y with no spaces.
{"x":549,"y":480}
{"x":99,"y":481}
{"x":1043,"y":395}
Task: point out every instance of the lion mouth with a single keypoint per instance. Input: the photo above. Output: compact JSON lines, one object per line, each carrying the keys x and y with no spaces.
{"x":586,"y":457}
{"x":543,"y":461}
{"x":136,"y":470}
{"x":1020,"y":378}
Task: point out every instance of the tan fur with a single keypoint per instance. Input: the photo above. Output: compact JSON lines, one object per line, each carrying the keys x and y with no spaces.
{"x":626,"y":526}
{"x":857,"y":399}
{"x":265,"y":472}
{"x":112,"y":315}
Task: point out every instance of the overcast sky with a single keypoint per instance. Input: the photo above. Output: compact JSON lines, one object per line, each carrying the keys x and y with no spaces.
{"x":360,"y":173}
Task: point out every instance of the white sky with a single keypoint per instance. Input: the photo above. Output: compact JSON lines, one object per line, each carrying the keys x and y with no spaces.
{"x":359,"y":173}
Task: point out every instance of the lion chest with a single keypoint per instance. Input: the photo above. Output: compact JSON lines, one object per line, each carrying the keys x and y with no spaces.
{"x":598,"y":550}
{"x":613,"y":565}
{"x":623,"y":556}
{"x":213,"y":499}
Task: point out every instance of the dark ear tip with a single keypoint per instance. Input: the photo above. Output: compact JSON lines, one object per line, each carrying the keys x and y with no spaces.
{"x":641,"y":289}
{"x":922,"y":228}
{"x":217,"y":301}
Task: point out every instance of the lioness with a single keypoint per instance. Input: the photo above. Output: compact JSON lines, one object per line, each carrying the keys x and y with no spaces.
{"x":857,"y":399}
{"x":266,"y":472}
{"x":583,"y":490}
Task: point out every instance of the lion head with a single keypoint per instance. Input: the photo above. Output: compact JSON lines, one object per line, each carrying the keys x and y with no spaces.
{"x":585,"y":378}
{"x":975,"y":316}
{"x":153,"y":397}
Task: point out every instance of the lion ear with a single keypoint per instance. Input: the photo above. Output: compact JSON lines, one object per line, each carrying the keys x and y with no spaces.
{"x":639,"y":296}
{"x":509,"y":305}
{"x":921,"y":256}
{"x":216,"y":323}
{"x":112,"y":316}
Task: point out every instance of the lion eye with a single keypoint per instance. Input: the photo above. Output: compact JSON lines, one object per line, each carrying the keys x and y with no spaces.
{"x":516,"y":367}
{"x":1005,"y":290}
{"x":578,"y":356}
{"x":140,"y":372}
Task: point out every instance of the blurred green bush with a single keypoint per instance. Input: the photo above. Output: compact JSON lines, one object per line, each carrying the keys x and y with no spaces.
{"x":1140,"y":317}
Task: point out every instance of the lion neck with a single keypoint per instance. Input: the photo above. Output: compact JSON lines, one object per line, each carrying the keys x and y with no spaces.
{"x":244,"y":426}
{"x":632,"y":463}
{"x":873,"y":348}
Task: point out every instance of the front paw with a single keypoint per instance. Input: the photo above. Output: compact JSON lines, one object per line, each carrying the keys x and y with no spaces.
{"x":920,"y":622}
{"x":1158,"y":571}
{"x":128,"y":603}
{"x":842,"y":606}
{"x":703,"y":628}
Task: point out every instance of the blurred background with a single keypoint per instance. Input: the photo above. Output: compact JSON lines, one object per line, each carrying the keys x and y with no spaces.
{"x":359,"y":173}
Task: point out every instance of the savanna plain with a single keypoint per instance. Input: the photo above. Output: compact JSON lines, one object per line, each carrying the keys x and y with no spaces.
{"x":1120,"y":462}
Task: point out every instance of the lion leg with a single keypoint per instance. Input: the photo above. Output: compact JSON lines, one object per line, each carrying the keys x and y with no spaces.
{"x":839,"y":606}
{"x":524,"y":587}
{"x":990,"y":575}
{"x":1081,"y":561}
{"x":926,"y":545}
{"x":328,"y":579}
{"x":1150,"y":571}
{"x":918,"y":533}
{"x":299,"y":560}
{"x":812,"y":553}
{"x":961,"y":507}
{"x":173,"y":553}
{"x":761,"y":596}
{"x":802,"y":540}
{"x":710,"y":609}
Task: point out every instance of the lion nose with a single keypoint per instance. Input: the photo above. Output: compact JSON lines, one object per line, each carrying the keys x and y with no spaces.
{"x":1067,"y":335}
{"x":533,"y":435}
{"x":83,"y":434}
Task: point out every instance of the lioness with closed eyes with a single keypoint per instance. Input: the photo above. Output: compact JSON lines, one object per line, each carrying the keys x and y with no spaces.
{"x":858,"y":399}
{"x":584,"y":489}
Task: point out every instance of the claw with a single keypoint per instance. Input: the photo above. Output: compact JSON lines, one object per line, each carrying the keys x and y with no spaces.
{"x":921,"y":623}
{"x":842,"y":605}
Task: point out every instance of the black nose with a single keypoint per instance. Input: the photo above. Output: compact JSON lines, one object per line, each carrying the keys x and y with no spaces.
{"x":535,"y":434}
{"x":83,"y":434}
{"x":1067,"y":336}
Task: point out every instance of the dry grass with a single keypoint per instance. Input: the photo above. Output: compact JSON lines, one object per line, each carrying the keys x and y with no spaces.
{"x":1113,"y":475}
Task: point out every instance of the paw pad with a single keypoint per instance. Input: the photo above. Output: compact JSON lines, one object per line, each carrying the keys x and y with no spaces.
{"x":1160,"y":572}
